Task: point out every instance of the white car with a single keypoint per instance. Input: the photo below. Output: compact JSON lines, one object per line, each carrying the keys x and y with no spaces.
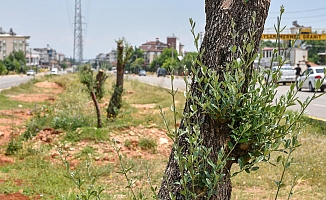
{"x":288,"y":75}
{"x":30,"y":73}
{"x":310,"y":76}
{"x":54,"y":71}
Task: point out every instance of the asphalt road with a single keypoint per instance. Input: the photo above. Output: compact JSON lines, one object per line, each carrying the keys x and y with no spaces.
{"x":316,"y":109}
{"x":13,"y":80}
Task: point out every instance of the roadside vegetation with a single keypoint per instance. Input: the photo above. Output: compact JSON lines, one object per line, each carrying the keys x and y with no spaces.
{"x":87,"y":157}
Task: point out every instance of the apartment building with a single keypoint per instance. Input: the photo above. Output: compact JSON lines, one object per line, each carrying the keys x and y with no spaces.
{"x":154,"y":49}
{"x":48,"y":57}
{"x":10,"y":42}
{"x":108,"y":57}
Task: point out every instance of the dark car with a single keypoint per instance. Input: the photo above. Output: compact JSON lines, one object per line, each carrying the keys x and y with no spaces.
{"x":161,"y":72}
{"x":142,"y":73}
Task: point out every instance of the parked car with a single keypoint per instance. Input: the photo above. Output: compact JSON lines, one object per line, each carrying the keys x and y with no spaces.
{"x":30,"y":73}
{"x":54,"y":71}
{"x":310,"y":76}
{"x":142,"y":73}
{"x":161,"y":72}
{"x":287,"y":75}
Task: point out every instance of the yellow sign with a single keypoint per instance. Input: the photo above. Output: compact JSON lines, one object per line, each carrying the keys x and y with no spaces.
{"x":294,"y":36}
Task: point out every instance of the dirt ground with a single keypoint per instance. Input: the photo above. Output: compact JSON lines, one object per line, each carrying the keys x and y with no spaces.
{"x":12,"y":125}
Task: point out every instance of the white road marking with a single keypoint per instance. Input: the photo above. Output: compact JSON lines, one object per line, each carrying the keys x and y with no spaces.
{"x":319,"y":105}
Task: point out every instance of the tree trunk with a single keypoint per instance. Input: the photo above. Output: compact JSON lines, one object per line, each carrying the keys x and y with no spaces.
{"x":115,"y":101}
{"x":217,"y":43}
{"x":120,"y":65}
{"x":98,"y":111}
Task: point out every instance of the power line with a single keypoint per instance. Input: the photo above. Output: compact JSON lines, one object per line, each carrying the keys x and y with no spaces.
{"x":314,"y":16}
{"x":69,"y":14}
{"x":301,"y":11}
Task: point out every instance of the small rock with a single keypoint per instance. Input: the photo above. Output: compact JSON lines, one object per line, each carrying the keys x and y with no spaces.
{"x":56,"y":132}
{"x":2,"y":134}
{"x":66,"y":146}
{"x":163,"y":141}
{"x":117,"y":141}
{"x":55,"y":154}
{"x":97,"y":158}
{"x":48,"y":129}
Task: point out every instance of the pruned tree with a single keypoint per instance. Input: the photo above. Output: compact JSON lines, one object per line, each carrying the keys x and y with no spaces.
{"x":123,"y":55}
{"x":219,"y":48}
{"x":94,"y":87}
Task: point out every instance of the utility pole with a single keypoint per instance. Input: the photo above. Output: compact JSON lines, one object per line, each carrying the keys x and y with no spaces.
{"x":30,"y":58}
{"x":78,"y":33}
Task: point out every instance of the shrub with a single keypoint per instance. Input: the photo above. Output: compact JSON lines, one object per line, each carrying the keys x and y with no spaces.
{"x":147,"y":144}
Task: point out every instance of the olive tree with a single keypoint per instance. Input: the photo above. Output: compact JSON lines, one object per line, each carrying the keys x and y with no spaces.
{"x":205,"y":121}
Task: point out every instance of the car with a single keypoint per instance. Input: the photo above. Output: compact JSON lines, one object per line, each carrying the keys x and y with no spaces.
{"x":287,"y":74}
{"x":30,"y":73}
{"x":54,"y":71}
{"x":161,"y":72}
{"x":142,"y":73}
{"x":310,"y":76}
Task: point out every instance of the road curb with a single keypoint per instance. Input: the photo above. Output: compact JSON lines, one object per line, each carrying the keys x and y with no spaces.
{"x":317,"y":119}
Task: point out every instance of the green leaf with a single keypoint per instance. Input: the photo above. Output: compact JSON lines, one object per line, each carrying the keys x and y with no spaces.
{"x":233,"y":49}
{"x":230,"y":145}
{"x":243,"y":140}
{"x":248,"y":48}
{"x":208,"y":181}
{"x":254,"y":168}
{"x":287,"y":144}
{"x":193,"y":108}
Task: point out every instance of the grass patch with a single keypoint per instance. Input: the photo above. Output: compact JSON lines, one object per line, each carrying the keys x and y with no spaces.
{"x":87,"y":133}
{"x":147,"y":144}
{"x":7,"y":103}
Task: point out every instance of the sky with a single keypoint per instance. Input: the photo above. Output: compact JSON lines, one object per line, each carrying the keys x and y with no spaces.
{"x":138,"y":21}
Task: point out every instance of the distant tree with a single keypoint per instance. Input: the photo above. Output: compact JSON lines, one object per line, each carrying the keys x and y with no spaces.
{"x":20,"y":57}
{"x":187,"y":61}
{"x":123,"y":55}
{"x":105,"y":65}
{"x":166,"y":54}
{"x":15,"y":62}
{"x":3,"y":69}
{"x":170,"y":63}
{"x":64,"y":65}
{"x":8,"y":64}
{"x":136,"y":54}
{"x":136,"y":64}
{"x":314,"y":47}
{"x":267,"y":43}
{"x":72,"y":61}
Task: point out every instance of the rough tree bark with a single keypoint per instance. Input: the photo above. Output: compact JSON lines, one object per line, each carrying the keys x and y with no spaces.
{"x":98,"y":110}
{"x":120,"y":64}
{"x":216,"y":43}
